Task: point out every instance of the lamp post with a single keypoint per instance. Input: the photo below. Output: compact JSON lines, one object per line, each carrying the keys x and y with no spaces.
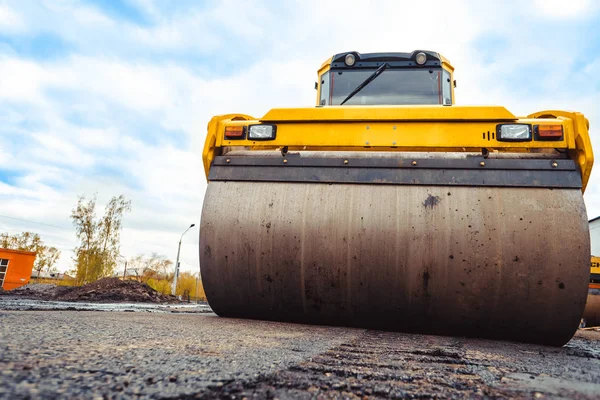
{"x":124,"y":270}
{"x":177,"y":262}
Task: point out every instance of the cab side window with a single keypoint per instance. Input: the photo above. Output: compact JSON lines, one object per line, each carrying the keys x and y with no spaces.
{"x":446,"y":88}
{"x":324,"y":95}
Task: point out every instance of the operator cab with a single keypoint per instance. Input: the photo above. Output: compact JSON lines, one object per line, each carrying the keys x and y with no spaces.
{"x":417,"y":78}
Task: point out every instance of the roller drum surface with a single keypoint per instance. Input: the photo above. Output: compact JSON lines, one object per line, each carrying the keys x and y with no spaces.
{"x":591,"y":313}
{"x":506,"y":263}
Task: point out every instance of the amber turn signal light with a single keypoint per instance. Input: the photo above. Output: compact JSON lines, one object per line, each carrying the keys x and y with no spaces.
{"x":234,"y":132}
{"x":548,"y":132}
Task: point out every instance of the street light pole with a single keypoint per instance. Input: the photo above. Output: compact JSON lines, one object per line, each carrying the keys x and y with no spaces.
{"x":177,"y":262}
{"x":125,"y":270}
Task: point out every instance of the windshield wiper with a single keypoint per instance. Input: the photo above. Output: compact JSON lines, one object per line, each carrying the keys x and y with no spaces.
{"x":364,"y":83}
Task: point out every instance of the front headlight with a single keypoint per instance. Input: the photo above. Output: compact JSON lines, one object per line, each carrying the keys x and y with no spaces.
{"x":261,"y":132}
{"x":513,"y":132}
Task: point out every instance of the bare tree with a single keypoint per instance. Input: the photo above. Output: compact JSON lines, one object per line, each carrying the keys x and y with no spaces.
{"x":51,"y":255}
{"x":99,"y":241}
{"x":153,"y":266}
{"x":83,"y":217}
{"x":46,"y":256}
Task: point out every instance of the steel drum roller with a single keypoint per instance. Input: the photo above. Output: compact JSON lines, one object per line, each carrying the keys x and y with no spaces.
{"x":510,"y":263}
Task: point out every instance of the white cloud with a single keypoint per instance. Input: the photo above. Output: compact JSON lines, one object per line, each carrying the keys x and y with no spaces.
{"x":10,"y":21}
{"x":561,"y":9}
{"x":204,"y":30}
{"x":140,"y":87}
{"x":79,"y":14}
{"x":50,"y":148}
{"x":20,"y":80}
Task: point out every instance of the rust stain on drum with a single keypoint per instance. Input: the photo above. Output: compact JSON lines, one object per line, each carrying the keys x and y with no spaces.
{"x":359,"y":255}
{"x":431,"y":201}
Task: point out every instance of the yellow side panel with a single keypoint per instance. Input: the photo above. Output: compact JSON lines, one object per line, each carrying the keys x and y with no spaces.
{"x":214,"y":135}
{"x":595,"y":265}
{"x":582,"y":145}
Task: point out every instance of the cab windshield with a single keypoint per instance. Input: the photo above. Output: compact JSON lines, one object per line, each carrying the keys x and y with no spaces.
{"x":391,"y":87}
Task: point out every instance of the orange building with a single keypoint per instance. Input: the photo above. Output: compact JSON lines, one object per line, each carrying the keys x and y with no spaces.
{"x":15,"y":268}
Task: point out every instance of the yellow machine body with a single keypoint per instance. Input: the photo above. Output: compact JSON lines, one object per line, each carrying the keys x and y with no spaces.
{"x":411,"y":217}
{"x":595,"y":268}
{"x":591,"y":314}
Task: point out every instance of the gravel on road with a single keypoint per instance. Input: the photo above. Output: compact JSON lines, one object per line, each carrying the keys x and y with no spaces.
{"x":87,"y":354}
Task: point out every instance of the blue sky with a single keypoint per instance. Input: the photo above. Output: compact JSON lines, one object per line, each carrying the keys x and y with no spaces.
{"x":114,"y":96}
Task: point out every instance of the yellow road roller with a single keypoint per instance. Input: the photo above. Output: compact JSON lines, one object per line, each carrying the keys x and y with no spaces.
{"x":591,"y":314}
{"x":389,"y":207}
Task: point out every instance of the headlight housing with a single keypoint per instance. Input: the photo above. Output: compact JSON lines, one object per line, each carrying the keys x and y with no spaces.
{"x":349,"y":60}
{"x":261,"y":132}
{"x":513,"y":132}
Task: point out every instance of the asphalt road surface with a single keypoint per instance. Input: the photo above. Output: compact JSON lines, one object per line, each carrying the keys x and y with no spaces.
{"x":93,"y":354}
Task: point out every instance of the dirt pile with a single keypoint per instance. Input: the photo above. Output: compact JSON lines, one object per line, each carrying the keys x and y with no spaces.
{"x":106,"y":290}
{"x":115,"y":290}
{"x":38,"y":291}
